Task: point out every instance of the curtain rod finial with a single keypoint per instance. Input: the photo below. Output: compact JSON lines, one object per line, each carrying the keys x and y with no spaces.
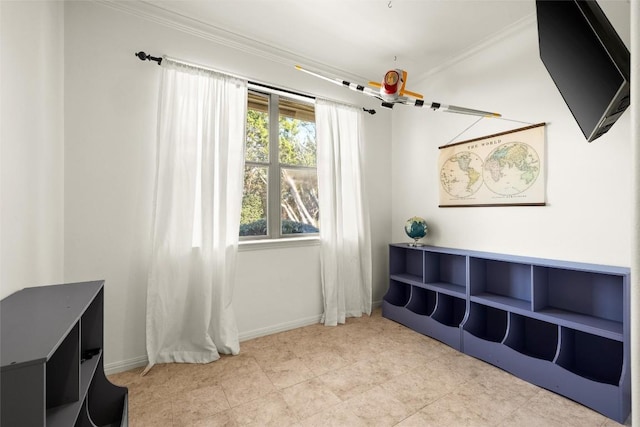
{"x":142,"y":56}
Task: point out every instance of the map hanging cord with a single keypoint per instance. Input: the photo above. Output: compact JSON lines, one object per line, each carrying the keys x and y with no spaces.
{"x":476,"y":122}
{"x":517,"y":121}
{"x":468,"y":127}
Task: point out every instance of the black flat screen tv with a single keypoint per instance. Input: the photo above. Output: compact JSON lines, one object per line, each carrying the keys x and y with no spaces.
{"x":587,"y":60}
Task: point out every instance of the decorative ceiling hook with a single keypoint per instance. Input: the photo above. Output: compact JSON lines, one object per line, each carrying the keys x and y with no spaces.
{"x":389,"y":4}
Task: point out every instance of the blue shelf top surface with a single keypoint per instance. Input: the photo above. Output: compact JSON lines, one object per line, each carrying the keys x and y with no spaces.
{"x":541,"y":262}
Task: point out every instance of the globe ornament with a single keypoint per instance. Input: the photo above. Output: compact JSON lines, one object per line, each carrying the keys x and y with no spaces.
{"x":416,"y":228}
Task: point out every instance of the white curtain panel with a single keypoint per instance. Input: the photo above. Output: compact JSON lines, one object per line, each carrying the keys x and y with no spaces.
{"x":345,"y":242}
{"x":199,"y":182}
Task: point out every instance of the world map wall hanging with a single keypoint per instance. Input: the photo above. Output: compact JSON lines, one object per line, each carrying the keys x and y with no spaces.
{"x":506,"y":168}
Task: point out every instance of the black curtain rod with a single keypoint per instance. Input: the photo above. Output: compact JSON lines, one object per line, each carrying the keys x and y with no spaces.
{"x":146,"y":57}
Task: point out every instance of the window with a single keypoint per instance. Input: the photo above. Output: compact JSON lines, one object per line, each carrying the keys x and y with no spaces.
{"x":280,"y":197}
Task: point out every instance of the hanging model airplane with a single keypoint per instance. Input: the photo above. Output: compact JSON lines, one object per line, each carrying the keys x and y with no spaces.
{"x":392,"y":91}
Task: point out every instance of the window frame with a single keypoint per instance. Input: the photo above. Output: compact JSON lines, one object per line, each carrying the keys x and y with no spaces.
{"x":274,"y":167}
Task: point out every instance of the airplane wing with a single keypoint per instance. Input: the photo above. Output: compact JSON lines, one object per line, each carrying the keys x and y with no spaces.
{"x":436,"y":106}
{"x":353,"y":86}
{"x":463,"y":110}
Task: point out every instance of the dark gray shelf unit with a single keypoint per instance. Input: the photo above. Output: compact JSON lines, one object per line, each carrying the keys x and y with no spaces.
{"x":44,"y":380}
{"x":560,"y":325}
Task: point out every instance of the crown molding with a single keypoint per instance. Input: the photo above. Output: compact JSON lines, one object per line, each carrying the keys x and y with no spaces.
{"x":505,"y":33}
{"x":159,"y":15}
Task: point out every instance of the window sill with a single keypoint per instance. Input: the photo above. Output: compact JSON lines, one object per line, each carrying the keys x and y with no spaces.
{"x":290,"y":242}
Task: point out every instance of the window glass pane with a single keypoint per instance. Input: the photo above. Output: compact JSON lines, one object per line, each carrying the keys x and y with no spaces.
{"x":299,"y":201}
{"x":297,"y":133}
{"x":253,"y":218}
{"x":257,"y":142}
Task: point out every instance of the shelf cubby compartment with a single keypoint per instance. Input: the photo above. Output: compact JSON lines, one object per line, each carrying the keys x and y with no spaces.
{"x":502,"y":284}
{"x":395,"y":300}
{"x":590,"y":356}
{"x":446,"y":273}
{"x":91,"y":325}
{"x":529,"y":349}
{"x":406,"y":263}
{"x":63,"y":372}
{"x":450,"y":310}
{"x":398,"y":293}
{"x":592,"y":370}
{"x":532,"y":337}
{"x":65,"y":414}
{"x":444,"y":323}
{"x":107,"y":402}
{"x":486,"y":323}
{"x":422,"y":301}
{"x":588,"y":301}
{"x":483,"y":332}
{"x":416,"y":314}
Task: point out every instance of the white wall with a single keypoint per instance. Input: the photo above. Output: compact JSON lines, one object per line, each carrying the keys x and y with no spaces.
{"x":31,"y":134}
{"x":110,"y":113}
{"x":588,"y":211}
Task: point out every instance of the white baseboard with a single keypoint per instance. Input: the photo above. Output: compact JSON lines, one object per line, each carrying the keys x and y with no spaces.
{"x":287,"y":326}
{"x":125,"y":365}
{"x":274,"y":329}
{"x":136,"y":362}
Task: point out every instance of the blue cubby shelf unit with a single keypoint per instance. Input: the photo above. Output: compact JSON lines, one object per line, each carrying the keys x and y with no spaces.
{"x":560,"y":325}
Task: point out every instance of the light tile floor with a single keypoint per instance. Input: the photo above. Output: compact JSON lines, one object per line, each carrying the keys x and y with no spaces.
{"x":369,"y":372}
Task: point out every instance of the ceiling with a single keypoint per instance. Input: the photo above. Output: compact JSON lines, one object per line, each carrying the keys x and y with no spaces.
{"x":358,"y":38}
